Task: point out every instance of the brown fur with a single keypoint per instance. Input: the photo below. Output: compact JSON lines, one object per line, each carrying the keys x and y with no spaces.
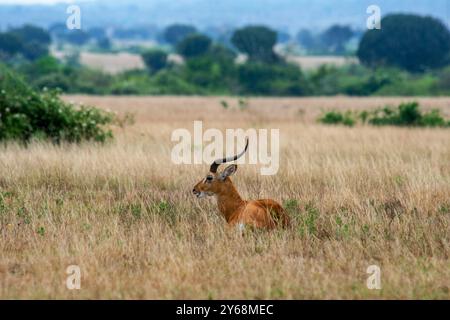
{"x":264,"y":213}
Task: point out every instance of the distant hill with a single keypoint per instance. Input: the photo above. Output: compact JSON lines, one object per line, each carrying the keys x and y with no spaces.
{"x":289,"y":15}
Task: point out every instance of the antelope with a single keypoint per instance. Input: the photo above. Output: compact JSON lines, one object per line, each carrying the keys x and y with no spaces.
{"x":263,"y":213}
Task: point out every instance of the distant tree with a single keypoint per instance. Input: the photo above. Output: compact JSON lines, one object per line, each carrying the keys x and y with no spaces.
{"x":97,"y":33}
{"x":58,"y":29}
{"x":257,"y":42}
{"x":155,"y":59}
{"x":10,"y":44}
{"x":222,"y":53}
{"x":411,"y":42}
{"x":177,"y":32}
{"x":194,"y":45}
{"x":34,"y":50}
{"x":29,"y":33}
{"x":138,"y":32}
{"x":283,"y":37}
{"x":306,"y":39}
{"x":225,"y":37}
{"x":77,"y":37}
{"x":104,"y":43}
{"x":34,"y":41}
{"x":335,"y":38}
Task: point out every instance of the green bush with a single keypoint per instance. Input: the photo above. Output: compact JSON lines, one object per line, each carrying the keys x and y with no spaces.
{"x":406,"y":114}
{"x":26,"y":114}
{"x":281,"y":79}
{"x":214,"y":70}
{"x":336,"y":117}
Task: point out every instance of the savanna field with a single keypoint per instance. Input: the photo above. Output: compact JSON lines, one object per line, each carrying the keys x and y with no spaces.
{"x":126,"y":214}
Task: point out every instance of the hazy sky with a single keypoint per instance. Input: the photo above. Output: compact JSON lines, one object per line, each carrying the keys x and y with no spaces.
{"x":32,"y":1}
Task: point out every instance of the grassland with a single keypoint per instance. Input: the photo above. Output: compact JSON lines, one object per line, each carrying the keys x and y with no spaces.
{"x":125,"y":214}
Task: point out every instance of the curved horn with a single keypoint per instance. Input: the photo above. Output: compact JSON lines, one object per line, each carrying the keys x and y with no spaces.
{"x":215,"y":165}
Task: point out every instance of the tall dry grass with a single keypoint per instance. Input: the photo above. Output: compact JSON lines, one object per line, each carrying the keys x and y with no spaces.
{"x":125,"y":214}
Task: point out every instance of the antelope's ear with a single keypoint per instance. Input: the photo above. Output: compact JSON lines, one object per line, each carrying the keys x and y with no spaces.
{"x":229,"y":171}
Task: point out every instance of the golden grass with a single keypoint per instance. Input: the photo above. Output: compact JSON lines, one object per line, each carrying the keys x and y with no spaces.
{"x":125,"y":214}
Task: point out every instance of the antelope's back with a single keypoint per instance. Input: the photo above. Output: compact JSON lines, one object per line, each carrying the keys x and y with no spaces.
{"x":276,"y":211}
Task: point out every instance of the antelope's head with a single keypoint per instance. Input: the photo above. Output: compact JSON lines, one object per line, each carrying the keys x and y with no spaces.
{"x":214,"y":182}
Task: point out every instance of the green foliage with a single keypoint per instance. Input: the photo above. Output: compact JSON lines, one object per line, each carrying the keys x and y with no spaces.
{"x":411,"y":42}
{"x":271,"y":79}
{"x":406,"y":114}
{"x":167,"y":82}
{"x":336,"y":117}
{"x":257,"y":42}
{"x":177,"y":32}
{"x":27,"y":114}
{"x":41,"y":231}
{"x":310,"y":219}
{"x":29,"y":33}
{"x":104,"y":43}
{"x":29,"y":41}
{"x":194,"y":45}
{"x":222,"y":54}
{"x":155,"y":59}
{"x":291,"y":206}
{"x":211,"y":68}
{"x":335,"y":38}
{"x":10,"y":44}
{"x":216,"y":72}
{"x":210,"y":75}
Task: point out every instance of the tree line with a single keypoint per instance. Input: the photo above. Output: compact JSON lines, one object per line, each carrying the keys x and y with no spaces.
{"x":407,"y":56}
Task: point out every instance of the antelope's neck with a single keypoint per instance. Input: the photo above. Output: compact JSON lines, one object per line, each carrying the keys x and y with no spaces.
{"x":229,"y":201}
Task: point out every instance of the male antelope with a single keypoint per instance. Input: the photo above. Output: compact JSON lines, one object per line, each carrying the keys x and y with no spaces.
{"x":265,"y":213}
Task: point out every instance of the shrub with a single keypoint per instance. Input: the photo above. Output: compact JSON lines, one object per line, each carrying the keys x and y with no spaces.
{"x":272,"y":79}
{"x":336,"y":117}
{"x":434,"y":119}
{"x":406,"y":114}
{"x":209,"y":74}
{"x":26,"y":114}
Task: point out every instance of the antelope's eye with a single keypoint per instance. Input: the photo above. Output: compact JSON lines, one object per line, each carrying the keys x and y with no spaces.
{"x":209,"y":178}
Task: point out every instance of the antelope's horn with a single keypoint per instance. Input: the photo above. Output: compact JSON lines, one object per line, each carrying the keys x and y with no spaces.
{"x":215,"y":165}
